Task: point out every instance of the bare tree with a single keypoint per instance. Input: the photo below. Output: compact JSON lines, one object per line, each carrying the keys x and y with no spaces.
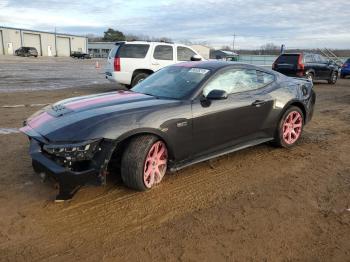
{"x":269,"y":49}
{"x":226,"y":48}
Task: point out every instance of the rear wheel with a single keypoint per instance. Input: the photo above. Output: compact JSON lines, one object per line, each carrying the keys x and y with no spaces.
{"x":333,"y":79}
{"x":290,"y":127}
{"x":139,"y":78}
{"x":144,"y":162}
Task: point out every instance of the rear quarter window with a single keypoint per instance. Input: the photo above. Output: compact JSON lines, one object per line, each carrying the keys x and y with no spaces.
{"x":287,"y":59}
{"x":133,"y":51}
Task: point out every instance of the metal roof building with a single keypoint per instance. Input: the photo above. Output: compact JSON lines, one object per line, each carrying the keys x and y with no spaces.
{"x":222,"y":54}
{"x":100,"y":49}
{"x":46,"y":43}
{"x":203,"y":50}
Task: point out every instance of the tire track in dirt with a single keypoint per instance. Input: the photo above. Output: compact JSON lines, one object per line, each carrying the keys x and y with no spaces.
{"x":195,"y":190}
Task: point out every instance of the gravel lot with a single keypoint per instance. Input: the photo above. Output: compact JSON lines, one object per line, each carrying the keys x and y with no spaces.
{"x":258,"y":204}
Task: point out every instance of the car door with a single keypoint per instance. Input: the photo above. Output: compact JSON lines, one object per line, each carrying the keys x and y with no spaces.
{"x":325,"y":67}
{"x":309,"y":63}
{"x":163,"y":55}
{"x":220,"y":124}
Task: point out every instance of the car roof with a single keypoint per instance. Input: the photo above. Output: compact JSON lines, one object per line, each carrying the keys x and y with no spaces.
{"x":301,"y":53}
{"x":215,"y":65}
{"x":143,"y":42}
{"x":149,"y":42}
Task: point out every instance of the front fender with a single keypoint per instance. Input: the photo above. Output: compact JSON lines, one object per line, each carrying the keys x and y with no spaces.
{"x":149,"y":131}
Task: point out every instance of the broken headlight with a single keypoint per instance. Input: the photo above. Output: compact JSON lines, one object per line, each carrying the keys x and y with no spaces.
{"x":74,"y":152}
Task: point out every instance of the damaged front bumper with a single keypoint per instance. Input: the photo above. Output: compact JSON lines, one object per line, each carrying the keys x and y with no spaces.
{"x":71,"y":178}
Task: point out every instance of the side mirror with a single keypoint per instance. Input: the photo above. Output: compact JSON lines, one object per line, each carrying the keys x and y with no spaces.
{"x":217,"y":95}
{"x":196,"y":58}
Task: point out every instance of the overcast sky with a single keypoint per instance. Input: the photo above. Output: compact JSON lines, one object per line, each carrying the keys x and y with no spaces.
{"x":321,"y":23}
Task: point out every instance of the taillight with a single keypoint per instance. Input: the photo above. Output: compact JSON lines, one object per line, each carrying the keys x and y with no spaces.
{"x":345,"y":65}
{"x":300,"y":66}
{"x":117,"y":64}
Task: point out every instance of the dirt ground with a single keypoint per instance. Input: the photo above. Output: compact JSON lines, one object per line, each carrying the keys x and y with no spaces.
{"x":259,"y":204}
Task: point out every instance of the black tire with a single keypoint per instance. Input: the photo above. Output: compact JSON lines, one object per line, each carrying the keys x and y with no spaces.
{"x":310,"y":76}
{"x":342,"y":76}
{"x":279,"y":139}
{"x":333,"y":78}
{"x":138,"y":78}
{"x":134,"y":159}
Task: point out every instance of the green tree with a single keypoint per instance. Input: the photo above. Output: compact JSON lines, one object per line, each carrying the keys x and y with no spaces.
{"x":112,"y":35}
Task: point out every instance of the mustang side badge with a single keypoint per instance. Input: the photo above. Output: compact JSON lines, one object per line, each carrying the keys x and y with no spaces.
{"x":182,"y":124}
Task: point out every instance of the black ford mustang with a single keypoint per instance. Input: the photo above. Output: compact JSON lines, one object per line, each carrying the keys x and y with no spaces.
{"x":181,"y":115}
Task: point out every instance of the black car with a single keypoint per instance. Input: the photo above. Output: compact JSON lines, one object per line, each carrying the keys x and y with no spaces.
{"x":180,"y":115}
{"x":80,"y":55}
{"x":26,"y":52}
{"x":307,"y":65}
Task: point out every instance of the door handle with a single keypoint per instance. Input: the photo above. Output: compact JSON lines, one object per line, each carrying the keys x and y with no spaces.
{"x":258,"y":103}
{"x":155,"y":63}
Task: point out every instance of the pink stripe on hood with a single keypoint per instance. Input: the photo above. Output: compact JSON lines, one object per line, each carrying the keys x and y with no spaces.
{"x":98,"y":100}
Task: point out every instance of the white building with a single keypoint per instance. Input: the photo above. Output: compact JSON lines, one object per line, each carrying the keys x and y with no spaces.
{"x":46,"y":43}
{"x":203,"y":50}
{"x":100,"y":49}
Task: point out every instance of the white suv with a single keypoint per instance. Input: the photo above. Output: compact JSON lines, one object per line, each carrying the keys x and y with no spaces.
{"x":130,"y":62}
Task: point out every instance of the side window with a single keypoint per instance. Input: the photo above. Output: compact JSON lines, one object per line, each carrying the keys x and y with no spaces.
{"x":308,"y":59}
{"x":133,"y":51}
{"x":238,"y":80}
{"x":184,"y":53}
{"x":163,"y":52}
{"x":322,"y":59}
{"x":317,"y":58}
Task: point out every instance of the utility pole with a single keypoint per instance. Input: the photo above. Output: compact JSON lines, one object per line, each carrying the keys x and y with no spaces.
{"x":55,"y":41}
{"x":233,"y":42}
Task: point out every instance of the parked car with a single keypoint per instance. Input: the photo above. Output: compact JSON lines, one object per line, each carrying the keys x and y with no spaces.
{"x":181,"y":115}
{"x":26,"y":51}
{"x":129,"y":63}
{"x":80,"y":55}
{"x":345,"y":69}
{"x":307,"y":65}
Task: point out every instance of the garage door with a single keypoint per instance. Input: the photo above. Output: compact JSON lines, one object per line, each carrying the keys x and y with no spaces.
{"x":32,"y":40}
{"x":63,"y":46}
{"x":1,"y":44}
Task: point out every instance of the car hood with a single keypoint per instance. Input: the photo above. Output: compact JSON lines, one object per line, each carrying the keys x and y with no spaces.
{"x":75,"y":119}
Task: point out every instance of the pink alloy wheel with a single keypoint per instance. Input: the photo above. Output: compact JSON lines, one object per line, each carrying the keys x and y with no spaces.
{"x":292,"y":127}
{"x":155,"y":164}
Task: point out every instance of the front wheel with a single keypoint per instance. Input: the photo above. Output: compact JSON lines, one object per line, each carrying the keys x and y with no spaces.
{"x":290,"y":127}
{"x":333,"y":79}
{"x":310,"y":76}
{"x":144,"y":162}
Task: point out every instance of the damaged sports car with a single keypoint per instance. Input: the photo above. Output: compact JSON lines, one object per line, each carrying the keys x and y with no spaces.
{"x":181,"y":115}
